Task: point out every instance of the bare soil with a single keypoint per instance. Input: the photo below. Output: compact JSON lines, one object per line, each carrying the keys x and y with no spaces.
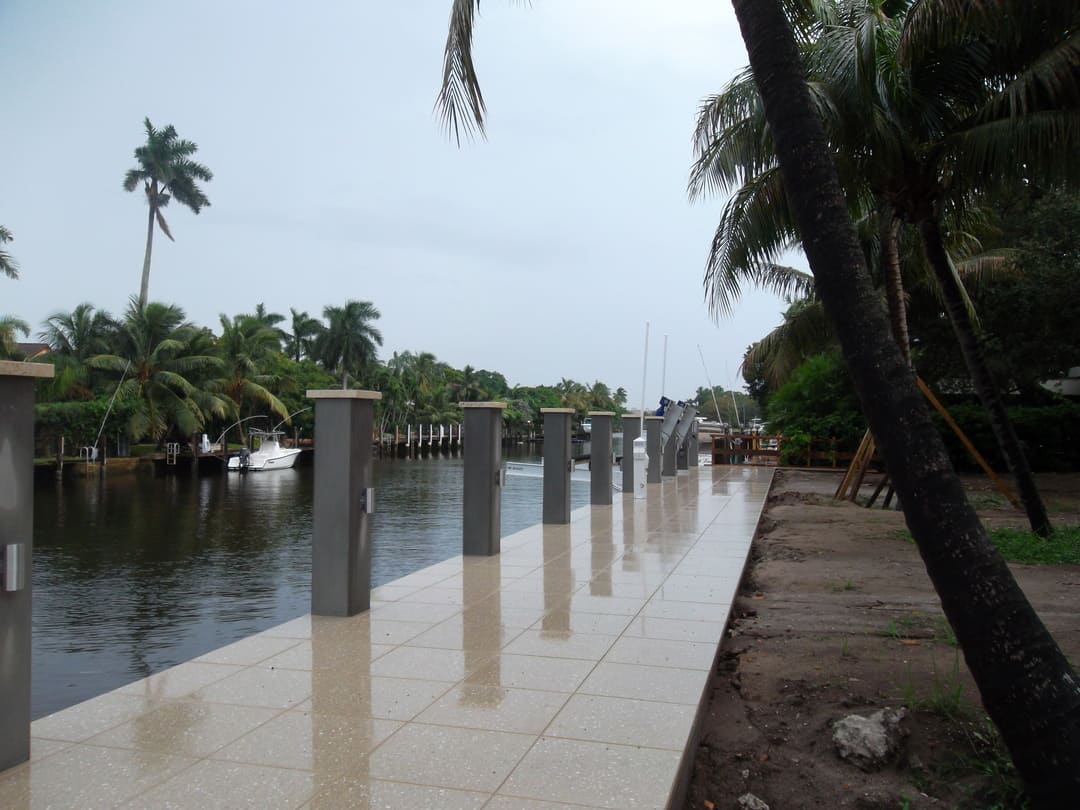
{"x":836,"y":616}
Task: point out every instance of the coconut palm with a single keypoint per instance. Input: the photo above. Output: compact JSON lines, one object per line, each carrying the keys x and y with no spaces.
{"x":1027,"y":685}
{"x":245,"y":343}
{"x":10,"y":329}
{"x":8,"y":265}
{"x":73,"y":338}
{"x":349,"y":342}
{"x":80,"y":334}
{"x":166,"y":171}
{"x":160,"y":375}
{"x":899,"y":129}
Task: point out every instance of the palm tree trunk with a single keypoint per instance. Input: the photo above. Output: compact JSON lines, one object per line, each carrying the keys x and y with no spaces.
{"x":889,"y":232}
{"x":144,"y":288}
{"x":975,"y":359}
{"x":1027,"y":685}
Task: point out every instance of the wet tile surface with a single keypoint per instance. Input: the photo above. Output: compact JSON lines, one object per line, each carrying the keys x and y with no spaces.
{"x":565,"y":672}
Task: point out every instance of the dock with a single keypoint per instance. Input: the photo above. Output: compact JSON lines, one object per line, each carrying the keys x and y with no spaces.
{"x":568,"y":671}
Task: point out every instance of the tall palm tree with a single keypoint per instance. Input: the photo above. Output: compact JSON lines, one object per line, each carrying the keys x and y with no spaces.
{"x":166,"y":171}
{"x":1027,"y":685}
{"x":159,"y":375}
{"x":8,"y":266}
{"x":350,"y":338}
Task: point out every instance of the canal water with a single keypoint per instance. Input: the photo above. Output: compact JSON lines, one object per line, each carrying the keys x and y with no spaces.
{"x":136,"y":572}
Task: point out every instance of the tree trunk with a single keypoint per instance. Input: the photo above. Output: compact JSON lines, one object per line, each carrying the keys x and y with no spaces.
{"x":1026,"y":684}
{"x":889,"y":232}
{"x":989,"y":395}
{"x":144,"y":288}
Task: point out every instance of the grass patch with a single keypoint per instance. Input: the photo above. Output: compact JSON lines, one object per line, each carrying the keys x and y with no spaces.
{"x":1022,"y":546}
{"x":922,"y":627}
{"x":988,"y":500}
{"x":943,"y":696}
{"x":846,"y":585}
{"x":980,"y":751}
{"x":1017,"y":545}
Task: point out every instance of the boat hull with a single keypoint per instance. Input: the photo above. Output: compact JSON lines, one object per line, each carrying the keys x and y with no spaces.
{"x":257,"y":462}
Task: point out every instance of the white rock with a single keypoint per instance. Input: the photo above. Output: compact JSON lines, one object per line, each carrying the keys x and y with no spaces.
{"x":748,"y":801}
{"x":869,"y":742}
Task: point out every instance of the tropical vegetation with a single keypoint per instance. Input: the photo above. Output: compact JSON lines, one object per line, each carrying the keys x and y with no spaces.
{"x":153,"y":376}
{"x":979,"y":68}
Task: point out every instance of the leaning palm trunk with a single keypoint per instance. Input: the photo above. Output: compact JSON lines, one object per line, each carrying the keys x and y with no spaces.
{"x":889,"y":227}
{"x":1026,"y":684}
{"x":144,"y":288}
{"x":975,"y":360}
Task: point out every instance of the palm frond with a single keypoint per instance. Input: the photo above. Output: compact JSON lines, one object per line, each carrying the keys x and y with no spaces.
{"x":756,"y":229}
{"x":806,"y":330}
{"x":460,"y":103}
{"x":1043,"y":146}
{"x":8,"y":266}
{"x":163,"y":224}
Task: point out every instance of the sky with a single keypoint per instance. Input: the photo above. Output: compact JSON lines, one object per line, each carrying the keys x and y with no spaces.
{"x":540,"y":252}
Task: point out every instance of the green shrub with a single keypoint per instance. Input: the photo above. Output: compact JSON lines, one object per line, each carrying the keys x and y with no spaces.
{"x":1050,"y":435}
{"x":819,"y":401}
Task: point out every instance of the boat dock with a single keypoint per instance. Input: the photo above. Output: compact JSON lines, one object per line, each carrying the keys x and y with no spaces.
{"x":567,"y":671}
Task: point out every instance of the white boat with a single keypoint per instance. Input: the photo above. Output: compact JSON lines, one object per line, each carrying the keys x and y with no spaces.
{"x":270,"y":455}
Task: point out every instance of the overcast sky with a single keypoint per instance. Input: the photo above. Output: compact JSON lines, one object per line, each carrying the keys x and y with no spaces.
{"x":540,"y":252}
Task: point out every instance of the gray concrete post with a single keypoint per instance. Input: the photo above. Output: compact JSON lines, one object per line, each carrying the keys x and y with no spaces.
{"x":652,"y":447}
{"x":631,"y":429}
{"x":692,"y":448}
{"x":344,"y":502}
{"x":481,"y":532}
{"x":682,"y":433}
{"x":16,"y":552}
{"x":600,"y":458}
{"x":557,"y":464}
{"x":670,"y":448}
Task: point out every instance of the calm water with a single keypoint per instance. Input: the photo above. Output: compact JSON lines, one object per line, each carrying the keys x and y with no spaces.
{"x":134,"y":573}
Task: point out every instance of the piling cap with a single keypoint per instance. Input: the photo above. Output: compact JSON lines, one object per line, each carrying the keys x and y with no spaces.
{"x":14,"y":368}
{"x":499,"y":405}
{"x":342,"y":393}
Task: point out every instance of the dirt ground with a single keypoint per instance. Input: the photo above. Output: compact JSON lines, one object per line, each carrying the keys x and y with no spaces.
{"x":837,"y":616}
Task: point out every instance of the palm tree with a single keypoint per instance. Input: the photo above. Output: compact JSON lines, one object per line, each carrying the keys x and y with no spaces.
{"x":1027,"y":685}
{"x":74,"y":337}
{"x":468,"y":388}
{"x":350,"y":338}
{"x":166,"y":171}
{"x":10,"y":328}
{"x":80,"y":334}
{"x":244,"y":344}
{"x":8,"y":266}
{"x":898,"y":132}
{"x":305,"y":331}
{"x":159,"y":375}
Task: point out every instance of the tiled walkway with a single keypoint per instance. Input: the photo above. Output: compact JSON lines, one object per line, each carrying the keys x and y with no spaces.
{"x":565,"y":672}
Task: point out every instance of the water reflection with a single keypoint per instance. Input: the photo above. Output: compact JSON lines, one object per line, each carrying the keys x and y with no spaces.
{"x":134,"y":573}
